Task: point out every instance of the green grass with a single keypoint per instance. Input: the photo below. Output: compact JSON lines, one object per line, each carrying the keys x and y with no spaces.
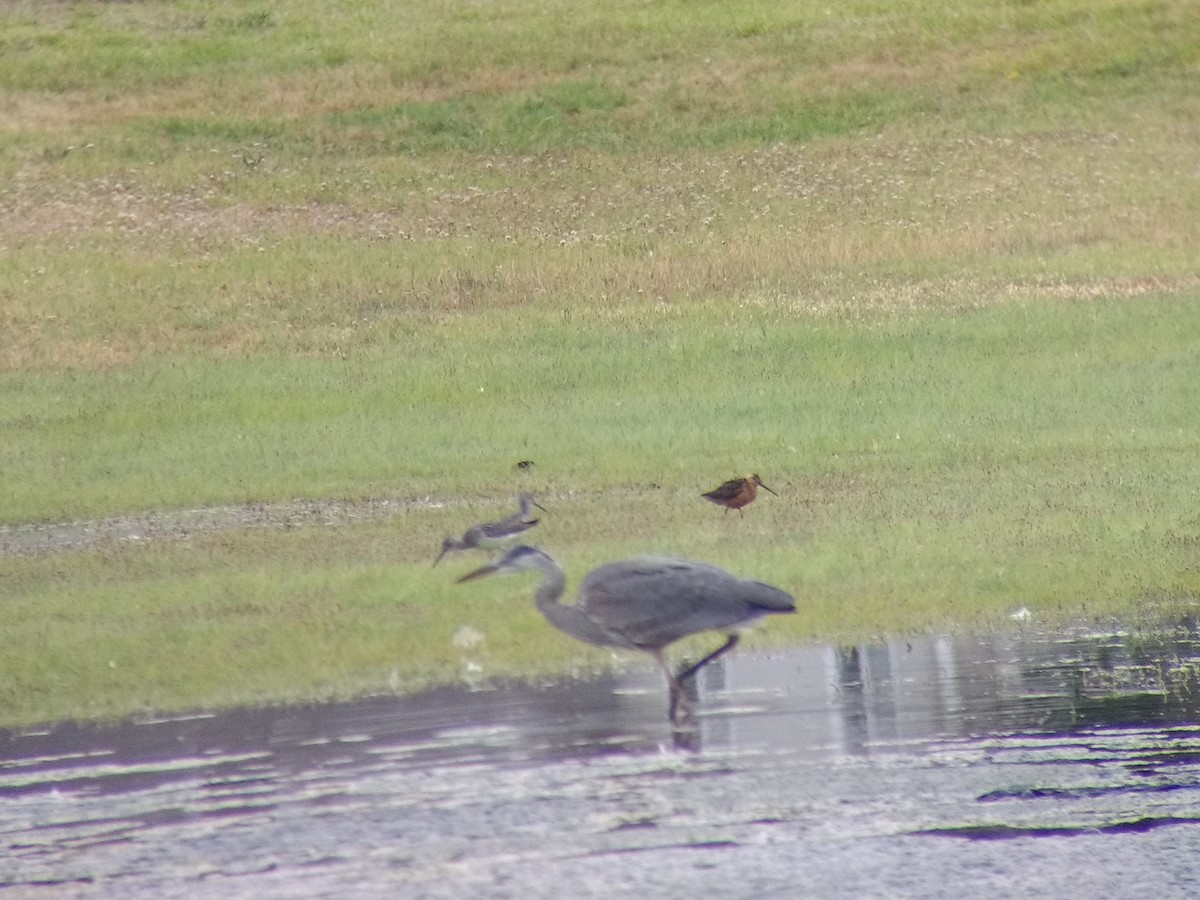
{"x":320,"y":83}
{"x":653,"y":395}
{"x":930,"y":269}
{"x":934,"y":471}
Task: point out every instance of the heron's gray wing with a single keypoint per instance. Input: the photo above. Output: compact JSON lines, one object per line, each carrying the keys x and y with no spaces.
{"x":653,"y":601}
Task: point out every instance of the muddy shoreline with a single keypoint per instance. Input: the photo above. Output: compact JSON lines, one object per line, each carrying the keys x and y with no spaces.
{"x":176,"y":525}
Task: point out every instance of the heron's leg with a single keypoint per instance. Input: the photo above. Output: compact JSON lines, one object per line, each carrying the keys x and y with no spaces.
{"x":681,"y":712}
{"x":680,"y":707}
{"x":729,"y":644}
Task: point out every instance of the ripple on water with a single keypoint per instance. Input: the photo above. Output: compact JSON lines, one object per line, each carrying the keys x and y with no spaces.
{"x":831,"y":767}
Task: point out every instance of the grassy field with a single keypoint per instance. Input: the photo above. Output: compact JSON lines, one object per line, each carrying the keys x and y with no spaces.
{"x":930,"y":268}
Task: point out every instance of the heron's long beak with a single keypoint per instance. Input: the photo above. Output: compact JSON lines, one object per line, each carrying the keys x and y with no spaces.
{"x":539,"y":506}
{"x":767,"y":489}
{"x":483,"y":572}
{"x":439,"y":557}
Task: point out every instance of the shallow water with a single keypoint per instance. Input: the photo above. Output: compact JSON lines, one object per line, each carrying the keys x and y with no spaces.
{"x":1013,"y":765}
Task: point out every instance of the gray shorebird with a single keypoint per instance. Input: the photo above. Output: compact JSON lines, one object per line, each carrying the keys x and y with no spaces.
{"x":646,"y":604}
{"x":495,"y":535}
{"x":737,"y":493}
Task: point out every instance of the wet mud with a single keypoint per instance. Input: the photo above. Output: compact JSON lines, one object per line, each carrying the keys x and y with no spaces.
{"x":176,"y":525}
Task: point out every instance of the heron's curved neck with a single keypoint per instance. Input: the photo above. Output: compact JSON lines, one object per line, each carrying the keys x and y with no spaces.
{"x":551,"y":589}
{"x":568,"y":619}
{"x":571,"y":619}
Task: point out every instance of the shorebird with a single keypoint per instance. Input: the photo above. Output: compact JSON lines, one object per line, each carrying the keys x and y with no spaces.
{"x":737,"y":493}
{"x":646,"y":604}
{"x":526,"y":503}
{"x":494,"y":535}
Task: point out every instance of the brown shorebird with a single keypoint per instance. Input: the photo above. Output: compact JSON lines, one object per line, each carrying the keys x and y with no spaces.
{"x":737,"y":493}
{"x":494,"y":535}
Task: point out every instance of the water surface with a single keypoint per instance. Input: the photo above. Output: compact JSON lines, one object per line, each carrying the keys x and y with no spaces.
{"x":1013,"y":765}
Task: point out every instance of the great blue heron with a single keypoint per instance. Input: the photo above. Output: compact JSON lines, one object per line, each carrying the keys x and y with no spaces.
{"x":737,"y":493}
{"x":646,"y":604}
{"x":495,"y":535}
